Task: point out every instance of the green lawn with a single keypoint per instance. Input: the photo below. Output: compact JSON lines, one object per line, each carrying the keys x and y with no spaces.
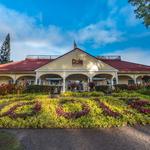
{"x":72,"y":110}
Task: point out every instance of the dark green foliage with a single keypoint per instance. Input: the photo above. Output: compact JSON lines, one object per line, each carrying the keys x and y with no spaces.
{"x":142,"y":10}
{"x":145,"y":91}
{"x":5,"y":51}
{"x":103,"y":88}
{"x":42,"y":89}
{"x":119,"y":87}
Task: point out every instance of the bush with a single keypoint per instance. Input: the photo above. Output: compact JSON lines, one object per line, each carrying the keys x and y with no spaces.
{"x":103,"y":88}
{"x":145,"y":91}
{"x":42,"y":89}
{"x":11,"y":89}
{"x":119,"y":87}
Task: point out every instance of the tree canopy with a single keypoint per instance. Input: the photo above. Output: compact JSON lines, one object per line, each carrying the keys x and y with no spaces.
{"x":142,"y":10}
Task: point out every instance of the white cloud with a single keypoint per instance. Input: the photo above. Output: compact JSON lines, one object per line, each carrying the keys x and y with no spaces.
{"x":29,"y":38}
{"x":128,"y":15}
{"x":137,"y":55}
{"x":101,"y":33}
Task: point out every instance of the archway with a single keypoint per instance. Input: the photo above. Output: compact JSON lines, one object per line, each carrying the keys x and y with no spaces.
{"x":102,"y":79}
{"x":5,"y":80}
{"x":77,"y":82}
{"x":143,"y":80}
{"x":55,"y":81}
{"x":125,"y":79}
{"x":26,"y":80}
{"x":51,"y":80}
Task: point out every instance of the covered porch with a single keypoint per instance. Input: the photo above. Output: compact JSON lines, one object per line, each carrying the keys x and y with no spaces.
{"x":75,"y":81}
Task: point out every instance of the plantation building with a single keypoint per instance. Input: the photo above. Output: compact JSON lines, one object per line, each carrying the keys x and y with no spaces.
{"x":74,"y":66}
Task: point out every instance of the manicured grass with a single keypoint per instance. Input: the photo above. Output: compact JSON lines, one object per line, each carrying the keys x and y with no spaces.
{"x":100,"y":110}
{"x":9,"y":142}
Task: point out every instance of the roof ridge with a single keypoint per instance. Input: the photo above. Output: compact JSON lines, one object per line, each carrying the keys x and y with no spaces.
{"x":11,"y":63}
{"x":135,"y":63}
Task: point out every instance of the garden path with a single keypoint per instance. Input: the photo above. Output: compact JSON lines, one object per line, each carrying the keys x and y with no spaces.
{"x":124,"y":138}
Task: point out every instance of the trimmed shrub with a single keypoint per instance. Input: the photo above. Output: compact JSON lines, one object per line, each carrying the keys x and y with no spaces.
{"x":103,"y":88}
{"x":119,"y":87}
{"x":145,"y":91}
{"x":42,"y":89}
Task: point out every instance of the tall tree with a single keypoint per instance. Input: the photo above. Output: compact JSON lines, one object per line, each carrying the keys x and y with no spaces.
{"x":142,"y":10}
{"x":5,"y":51}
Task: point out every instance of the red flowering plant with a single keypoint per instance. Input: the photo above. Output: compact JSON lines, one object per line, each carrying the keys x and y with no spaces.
{"x":91,"y":85}
{"x":11,"y":89}
{"x":72,"y":115}
{"x":106,"y":110}
{"x":7,"y":89}
{"x":11,"y":112}
{"x":133,"y":87}
{"x":140,"y":106}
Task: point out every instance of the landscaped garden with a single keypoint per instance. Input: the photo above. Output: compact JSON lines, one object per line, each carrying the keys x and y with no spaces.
{"x":75,"y":110}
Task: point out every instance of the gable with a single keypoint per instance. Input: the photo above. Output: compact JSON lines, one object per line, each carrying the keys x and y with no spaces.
{"x":76,"y":60}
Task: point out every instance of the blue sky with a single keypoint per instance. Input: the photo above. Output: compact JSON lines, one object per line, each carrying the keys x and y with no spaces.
{"x":106,"y":27}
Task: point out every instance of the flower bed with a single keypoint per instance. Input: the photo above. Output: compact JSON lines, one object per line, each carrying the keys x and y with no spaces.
{"x":104,"y":111}
{"x":11,"y":112}
{"x":139,"y":105}
{"x":72,"y":115}
{"x":107,"y":111}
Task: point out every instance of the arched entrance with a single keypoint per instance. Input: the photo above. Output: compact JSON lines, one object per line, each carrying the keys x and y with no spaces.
{"x":26,"y":80}
{"x":102,"y":79}
{"x":143,"y":80}
{"x":77,"y":82}
{"x":50,"y":79}
{"x":125,"y":79}
{"x":6,"y":80}
{"x":53,"y":80}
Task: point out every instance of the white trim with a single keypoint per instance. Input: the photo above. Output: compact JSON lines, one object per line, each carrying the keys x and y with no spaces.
{"x":82,"y":51}
{"x":77,"y":71}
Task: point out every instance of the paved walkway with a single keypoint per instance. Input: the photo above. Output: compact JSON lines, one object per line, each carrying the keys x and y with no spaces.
{"x":125,"y":138}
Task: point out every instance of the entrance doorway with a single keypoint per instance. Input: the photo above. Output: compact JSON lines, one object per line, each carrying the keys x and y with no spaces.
{"x":77,"y":82}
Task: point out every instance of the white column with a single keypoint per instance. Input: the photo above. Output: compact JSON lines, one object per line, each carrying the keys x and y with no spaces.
{"x":112,"y":82}
{"x":116,"y":76}
{"x":90,"y":79}
{"x":39,"y":81}
{"x":64,"y":85}
{"x":14,"y":79}
{"x":36,"y":79}
{"x":134,"y":78}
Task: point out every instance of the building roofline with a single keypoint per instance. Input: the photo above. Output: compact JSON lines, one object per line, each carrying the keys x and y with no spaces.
{"x":81,"y":51}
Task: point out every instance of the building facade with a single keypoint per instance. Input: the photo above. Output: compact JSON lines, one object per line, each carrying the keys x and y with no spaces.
{"x":72,"y":67}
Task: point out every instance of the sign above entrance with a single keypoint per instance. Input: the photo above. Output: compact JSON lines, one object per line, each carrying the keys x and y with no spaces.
{"x":77,"y":62}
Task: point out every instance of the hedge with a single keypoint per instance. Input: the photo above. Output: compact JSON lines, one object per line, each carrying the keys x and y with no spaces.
{"x":42,"y":89}
{"x":103,"y":88}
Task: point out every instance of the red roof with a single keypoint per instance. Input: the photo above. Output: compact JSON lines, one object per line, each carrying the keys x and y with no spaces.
{"x":24,"y":65}
{"x":126,"y":66}
{"x":29,"y":65}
